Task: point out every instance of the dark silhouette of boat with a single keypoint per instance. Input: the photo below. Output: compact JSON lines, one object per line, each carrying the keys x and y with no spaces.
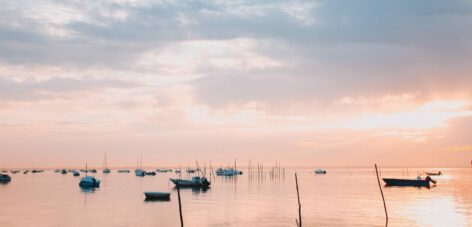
{"x":433,"y":174}
{"x":4,"y":178}
{"x":195,"y":182}
{"x":157,"y":196}
{"x":409,"y":182}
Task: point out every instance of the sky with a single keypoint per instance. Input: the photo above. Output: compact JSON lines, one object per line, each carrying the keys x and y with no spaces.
{"x":302,"y":83}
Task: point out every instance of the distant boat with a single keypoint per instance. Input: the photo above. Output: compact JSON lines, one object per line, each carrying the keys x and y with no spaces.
{"x":37,"y":171}
{"x":163,"y":170}
{"x":178,"y":171}
{"x":151,"y":173}
{"x":320,"y":171}
{"x":92,"y":171}
{"x":190,"y":171}
{"x":64,"y":171}
{"x":157,"y":195}
{"x":123,"y":171}
{"x":76,"y":173}
{"x":228,"y":172}
{"x":4,"y":178}
{"x":105,"y":165}
{"x":139,"y":172}
{"x":26,"y":171}
{"x":409,"y":182}
{"x":57,"y":171}
{"x":439,"y":173}
{"x":195,"y":182}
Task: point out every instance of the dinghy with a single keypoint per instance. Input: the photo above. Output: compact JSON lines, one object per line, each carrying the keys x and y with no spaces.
{"x":157,"y":195}
{"x":195,"y":182}
{"x":409,"y":182}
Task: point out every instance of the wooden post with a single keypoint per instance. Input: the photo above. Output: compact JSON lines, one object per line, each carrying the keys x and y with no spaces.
{"x":180,"y":207}
{"x":383,"y":198}
{"x":299,"y":221}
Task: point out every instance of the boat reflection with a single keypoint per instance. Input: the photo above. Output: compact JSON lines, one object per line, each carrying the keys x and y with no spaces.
{"x":88,"y":190}
{"x":195,"y":190}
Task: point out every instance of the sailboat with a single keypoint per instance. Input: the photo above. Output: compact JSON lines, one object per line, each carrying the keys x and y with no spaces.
{"x":89,"y":181}
{"x":139,"y":172}
{"x":105,"y":168}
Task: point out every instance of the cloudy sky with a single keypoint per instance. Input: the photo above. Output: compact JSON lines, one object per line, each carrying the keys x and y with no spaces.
{"x":312,"y":83}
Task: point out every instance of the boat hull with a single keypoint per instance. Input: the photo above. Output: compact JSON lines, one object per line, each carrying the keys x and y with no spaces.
{"x":157,"y":195}
{"x":189,"y":183}
{"x":406,"y":182}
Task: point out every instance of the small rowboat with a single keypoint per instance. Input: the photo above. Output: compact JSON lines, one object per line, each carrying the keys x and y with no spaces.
{"x":201,"y":182}
{"x":157,"y":195}
{"x":433,"y":174}
{"x":409,"y":182}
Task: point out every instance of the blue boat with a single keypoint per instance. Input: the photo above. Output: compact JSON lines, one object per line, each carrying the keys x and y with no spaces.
{"x":89,"y":182}
{"x":409,"y":182}
{"x":5,"y":178}
{"x":195,"y":182}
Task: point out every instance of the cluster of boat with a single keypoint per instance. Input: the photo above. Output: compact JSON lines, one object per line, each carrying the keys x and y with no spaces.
{"x":24,"y":172}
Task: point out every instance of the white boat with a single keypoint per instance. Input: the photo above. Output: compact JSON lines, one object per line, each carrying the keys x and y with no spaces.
{"x":320,"y":171}
{"x":4,"y":178}
{"x":89,"y":182}
{"x":195,"y":182}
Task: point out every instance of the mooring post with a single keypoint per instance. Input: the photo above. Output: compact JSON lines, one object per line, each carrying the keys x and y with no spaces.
{"x":299,"y":221}
{"x":180,"y":207}
{"x":383,"y":198}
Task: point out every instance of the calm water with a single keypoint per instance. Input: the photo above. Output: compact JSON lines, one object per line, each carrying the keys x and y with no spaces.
{"x":343,"y":197}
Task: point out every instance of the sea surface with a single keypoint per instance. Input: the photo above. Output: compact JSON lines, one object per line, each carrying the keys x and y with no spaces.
{"x":342,"y":197}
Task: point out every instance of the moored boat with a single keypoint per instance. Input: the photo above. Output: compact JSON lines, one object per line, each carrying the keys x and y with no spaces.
{"x":151,"y":173}
{"x":4,"y":178}
{"x":228,"y":172}
{"x":320,"y":171}
{"x":123,"y":171}
{"x":106,"y":170}
{"x":157,"y":195}
{"x":194,"y":182}
{"x":64,"y":171}
{"x":439,"y":173}
{"x":76,"y":173}
{"x":89,"y":182}
{"x":409,"y":182}
{"x":139,"y":172}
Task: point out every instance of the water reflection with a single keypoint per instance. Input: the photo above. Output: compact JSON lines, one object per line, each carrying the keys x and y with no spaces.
{"x":195,"y":190}
{"x":150,"y":200}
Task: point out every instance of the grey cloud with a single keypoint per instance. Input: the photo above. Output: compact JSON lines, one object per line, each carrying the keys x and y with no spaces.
{"x":11,"y":90}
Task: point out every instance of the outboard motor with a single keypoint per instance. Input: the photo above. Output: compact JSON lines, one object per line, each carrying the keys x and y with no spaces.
{"x":430,"y":179}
